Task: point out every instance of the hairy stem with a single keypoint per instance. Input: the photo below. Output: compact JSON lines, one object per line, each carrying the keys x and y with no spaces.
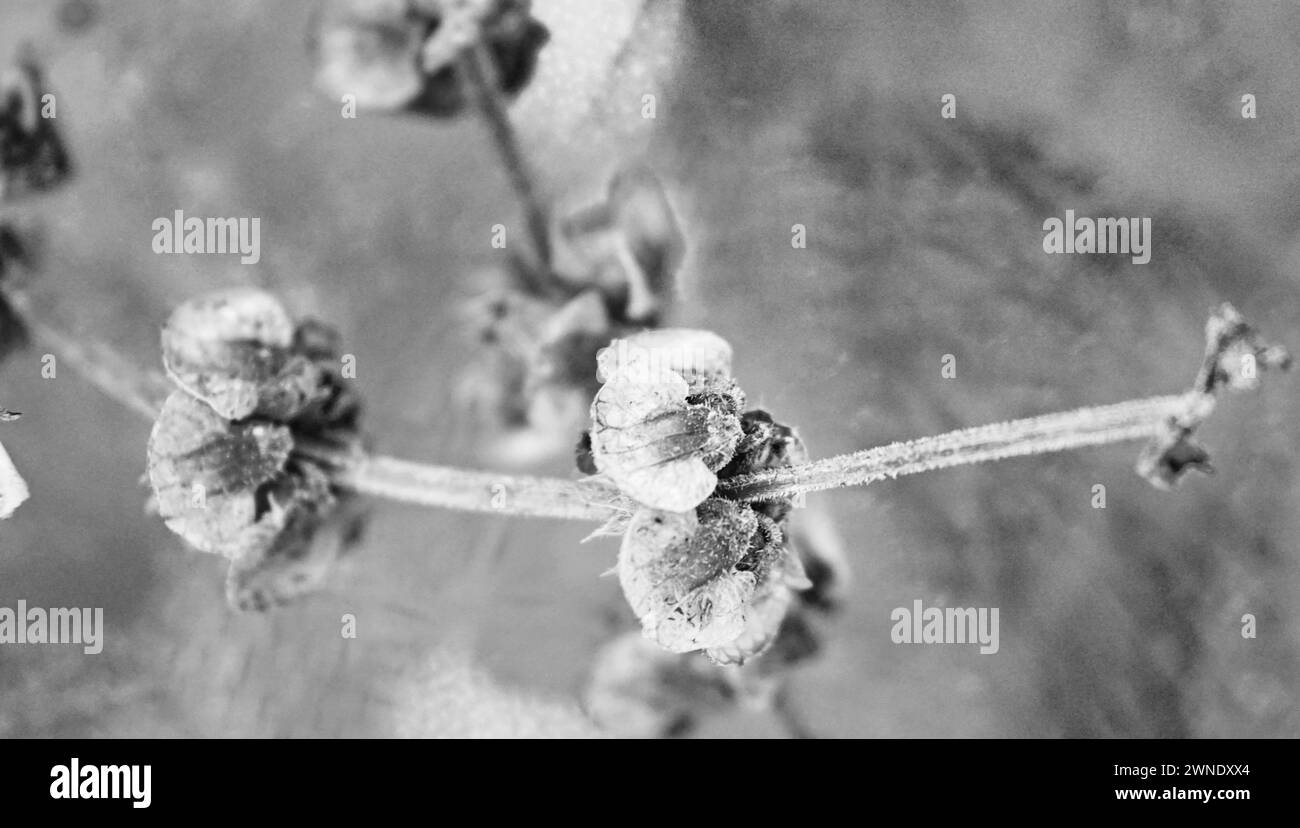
{"x":592,"y":499}
{"x":1133,"y":420}
{"x":471,"y":490}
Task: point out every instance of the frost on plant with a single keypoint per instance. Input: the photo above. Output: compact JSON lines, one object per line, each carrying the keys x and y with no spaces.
{"x":409,"y":54}
{"x":701,"y":573}
{"x":221,"y":457}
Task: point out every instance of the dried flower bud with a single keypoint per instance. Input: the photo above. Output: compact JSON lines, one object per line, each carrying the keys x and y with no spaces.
{"x":631,"y":243}
{"x":404,"y":54}
{"x":32,"y":155}
{"x":692,"y":577}
{"x":1170,"y":456}
{"x":13,"y":489}
{"x":666,"y":419}
{"x":1235,"y":353}
{"x":235,"y":351}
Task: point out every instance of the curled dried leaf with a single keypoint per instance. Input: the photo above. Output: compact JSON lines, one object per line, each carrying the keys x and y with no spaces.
{"x":631,"y":244}
{"x":1171,"y":455}
{"x":235,"y":350}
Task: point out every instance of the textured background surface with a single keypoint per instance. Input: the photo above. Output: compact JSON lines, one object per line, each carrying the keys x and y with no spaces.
{"x":924,"y":240}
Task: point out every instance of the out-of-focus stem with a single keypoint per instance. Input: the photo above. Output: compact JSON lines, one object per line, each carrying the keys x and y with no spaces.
{"x":137,"y":389}
{"x":482,"y":84}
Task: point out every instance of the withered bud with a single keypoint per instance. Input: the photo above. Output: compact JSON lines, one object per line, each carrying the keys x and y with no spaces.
{"x":667,"y":418}
{"x":234,"y":350}
{"x":693,"y":578}
{"x":223,"y":486}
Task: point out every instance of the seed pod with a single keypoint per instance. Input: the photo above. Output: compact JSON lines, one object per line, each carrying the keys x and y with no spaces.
{"x":225,"y":487}
{"x":234,"y":350}
{"x":766,"y":612}
{"x":639,"y":691}
{"x":666,"y":418}
{"x":691,"y":576}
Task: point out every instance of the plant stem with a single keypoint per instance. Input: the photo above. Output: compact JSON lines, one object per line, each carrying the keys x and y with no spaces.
{"x":591,"y":499}
{"x":141,"y":391}
{"x":1133,"y":420}
{"x":470,"y":489}
{"x":481,"y":80}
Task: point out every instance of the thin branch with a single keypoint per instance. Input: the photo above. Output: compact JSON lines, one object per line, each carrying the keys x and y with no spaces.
{"x":594,"y":499}
{"x":1133,"y":420}
{"x":470,"y":489}
{"x":481,"y":80}
{"x":119,"y":378}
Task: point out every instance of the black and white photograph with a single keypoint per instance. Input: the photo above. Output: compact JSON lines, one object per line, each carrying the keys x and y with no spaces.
{"x":650,"y":370}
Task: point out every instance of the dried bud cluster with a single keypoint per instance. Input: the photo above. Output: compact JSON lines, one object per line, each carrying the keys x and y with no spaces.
{"x":221,"y":454}
{"x":1235,"y":355}
{"x":406,"y":54}
{"x":700,"y":572}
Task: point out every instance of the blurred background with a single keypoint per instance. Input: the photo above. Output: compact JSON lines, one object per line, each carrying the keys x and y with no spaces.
{"x":924,"y":239}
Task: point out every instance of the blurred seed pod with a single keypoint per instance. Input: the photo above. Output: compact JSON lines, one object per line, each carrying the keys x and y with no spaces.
{"x":630,"y":245}
{"x":638,"y":690}
{"x":221,"y":455}
{"x":404,"y":54}
{"x":33,"y":156}
{"x":692,"y":577}
{"x":666,"y":419}
{"x":234,"y":350}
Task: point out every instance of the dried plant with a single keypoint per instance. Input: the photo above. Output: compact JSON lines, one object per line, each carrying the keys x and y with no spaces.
{"x":257,"y":451}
